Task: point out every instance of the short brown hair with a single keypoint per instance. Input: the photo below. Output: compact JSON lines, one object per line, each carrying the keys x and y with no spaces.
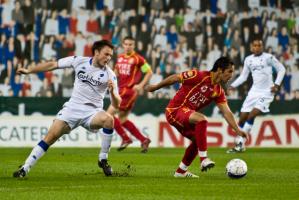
{"x":98,"y":45}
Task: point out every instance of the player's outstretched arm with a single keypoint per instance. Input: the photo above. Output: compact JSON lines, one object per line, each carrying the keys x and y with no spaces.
{"x":41,"y":67}
{"x":229,"y":117}
{"x":166,"y":82}
{"x":243,"y":76}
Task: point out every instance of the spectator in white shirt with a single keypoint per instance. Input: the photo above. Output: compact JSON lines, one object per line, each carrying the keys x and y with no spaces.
{"x":51,"y":27}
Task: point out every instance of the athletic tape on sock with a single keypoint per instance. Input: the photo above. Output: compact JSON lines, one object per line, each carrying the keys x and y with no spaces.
{"x":107,"y":131}
{"x":43,"y":145}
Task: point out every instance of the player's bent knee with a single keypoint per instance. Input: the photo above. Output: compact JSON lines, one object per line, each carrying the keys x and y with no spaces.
{"x":201,"y":118}
{"x":197,"y":117}
{"x":108,"y":122}
{"x":204,"y":118}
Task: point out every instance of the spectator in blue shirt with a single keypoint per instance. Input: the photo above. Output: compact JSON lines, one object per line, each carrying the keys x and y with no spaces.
{"x":63,"y":22}
{"x":283,"y":38}
{"x":172,"y":36}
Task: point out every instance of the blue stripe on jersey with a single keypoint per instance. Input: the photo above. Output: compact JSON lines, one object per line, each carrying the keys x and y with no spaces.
{"x":90,"y":61}
{"x":43,"y":145}
{"x":107,"y":131}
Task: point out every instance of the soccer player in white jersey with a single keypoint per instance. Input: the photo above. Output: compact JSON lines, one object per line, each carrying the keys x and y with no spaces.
{"x":85,"y":107}
{"x":262,"y":91}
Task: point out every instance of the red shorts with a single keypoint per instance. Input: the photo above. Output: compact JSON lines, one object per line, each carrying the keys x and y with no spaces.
{"x":128,"y":98}
{"x":179,"y":118}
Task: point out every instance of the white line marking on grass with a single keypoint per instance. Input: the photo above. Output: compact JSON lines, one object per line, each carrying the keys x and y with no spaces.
{"x":50,"y":187}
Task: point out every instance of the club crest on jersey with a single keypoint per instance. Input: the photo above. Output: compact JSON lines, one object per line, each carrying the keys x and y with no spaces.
{"x":189,"y":74}
{"x":131,"y":61}
{"x":85,"y":78}
{"x":120,"y":59}
{"x":203,"y":88}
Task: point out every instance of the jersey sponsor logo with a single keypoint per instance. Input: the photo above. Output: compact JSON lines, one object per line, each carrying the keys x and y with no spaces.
{"x":188,"y":74}
{"x":85,"y":78}
{"x":257,"y":67}
{"x":124,"y":69}
{"x":197,"y":99}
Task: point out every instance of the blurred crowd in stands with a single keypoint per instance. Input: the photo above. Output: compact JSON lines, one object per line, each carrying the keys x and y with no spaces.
{"x":173,"y":36}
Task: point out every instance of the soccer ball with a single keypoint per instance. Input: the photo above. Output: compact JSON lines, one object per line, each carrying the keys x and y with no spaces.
{"x":236,"y":168}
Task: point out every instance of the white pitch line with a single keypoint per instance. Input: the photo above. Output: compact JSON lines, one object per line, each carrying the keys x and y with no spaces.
{"x":50,"y":187}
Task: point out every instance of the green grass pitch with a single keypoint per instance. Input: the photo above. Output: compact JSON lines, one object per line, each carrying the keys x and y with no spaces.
{"x":72,"y":173}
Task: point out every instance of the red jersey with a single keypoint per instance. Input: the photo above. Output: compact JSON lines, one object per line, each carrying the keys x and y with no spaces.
{"x":197,"y":91}
{"x":129,"y":69}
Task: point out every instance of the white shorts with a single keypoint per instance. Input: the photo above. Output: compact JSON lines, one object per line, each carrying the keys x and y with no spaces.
{"x":259,"y":100}
{"x":77,"y":115}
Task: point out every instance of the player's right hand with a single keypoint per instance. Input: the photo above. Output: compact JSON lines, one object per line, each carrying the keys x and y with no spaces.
{"x":243,"y":134}
{"x":150,"y":88}
{"x":22,"y":70}
{"x":230,"y":90}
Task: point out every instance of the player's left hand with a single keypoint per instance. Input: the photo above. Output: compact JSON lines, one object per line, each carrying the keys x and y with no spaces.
{"x":137,"y":88}
{"x":22,"y":70}
{"x":275,"y":89}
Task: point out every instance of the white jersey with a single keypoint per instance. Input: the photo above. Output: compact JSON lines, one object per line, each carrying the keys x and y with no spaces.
{"x":91,"y":82}
{"x":261,"y":71}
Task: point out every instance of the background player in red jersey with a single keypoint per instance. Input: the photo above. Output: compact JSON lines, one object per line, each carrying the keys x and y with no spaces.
{"x":199,"y":89}
{"x":129,"y":69}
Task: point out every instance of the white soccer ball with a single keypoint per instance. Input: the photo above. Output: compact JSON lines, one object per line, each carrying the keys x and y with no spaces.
{"x":236,"y":168}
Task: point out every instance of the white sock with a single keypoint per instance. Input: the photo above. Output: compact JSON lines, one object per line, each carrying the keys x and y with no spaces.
{"x":36,"y":153}
{"x":203,"y":154}
{"x":183,"y":166}
{"x":240,"y":139}
{"x":247,"y":127}
{"x":106,"y":143}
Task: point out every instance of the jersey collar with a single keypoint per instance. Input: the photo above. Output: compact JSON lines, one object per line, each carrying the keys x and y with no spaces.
{"x":212,"y":78}
{"x":127,"y":56}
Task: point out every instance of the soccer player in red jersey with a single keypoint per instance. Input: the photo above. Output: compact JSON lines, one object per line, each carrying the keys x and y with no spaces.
{"x":129,"y":69}
{"x":199,"y":89}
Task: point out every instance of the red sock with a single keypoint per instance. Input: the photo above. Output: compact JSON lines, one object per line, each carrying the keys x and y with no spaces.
{"x":133,"y":130}
{"x":201,"y":137}
{"x":179,"y":170}
{"x":190,"y":154}
{"x":120,"y":130}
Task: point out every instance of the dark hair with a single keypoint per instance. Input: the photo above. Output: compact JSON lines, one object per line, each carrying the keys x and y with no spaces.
{"x":257,"y":39}
{"x":98,"y":45}
{"x":128,"y":38}
{"x":222,"y":63}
